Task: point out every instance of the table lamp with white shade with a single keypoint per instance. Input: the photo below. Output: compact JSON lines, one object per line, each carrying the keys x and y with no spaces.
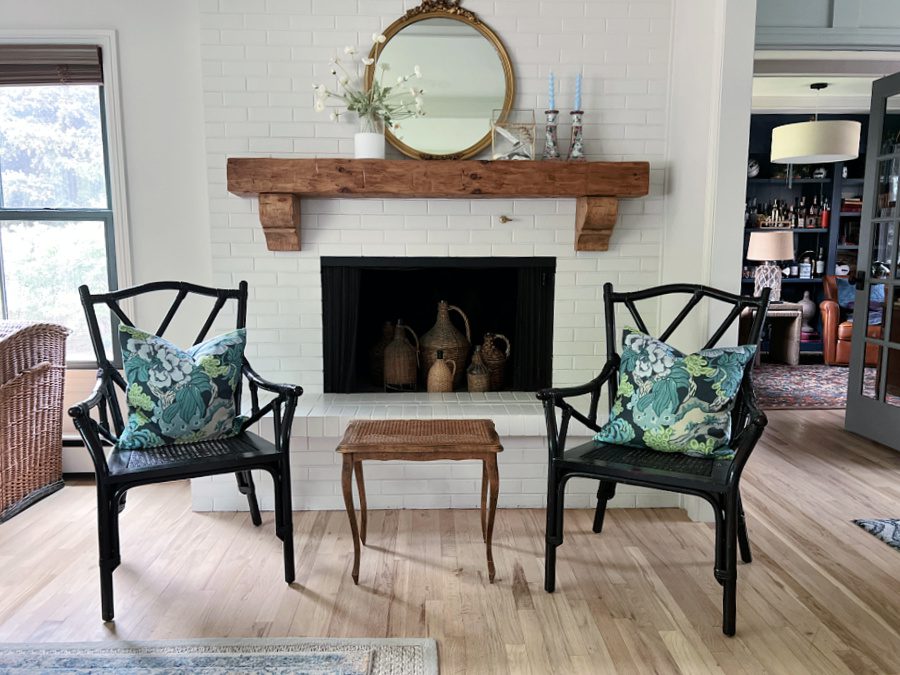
{"x":769,"y":247}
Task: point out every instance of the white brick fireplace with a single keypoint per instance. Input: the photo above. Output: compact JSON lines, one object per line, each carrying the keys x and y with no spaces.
{"x":260,"y":59}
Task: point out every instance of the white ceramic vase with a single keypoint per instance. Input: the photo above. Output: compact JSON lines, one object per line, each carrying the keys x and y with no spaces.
{"x":368,"y":145}
{"x":808,"y":311}
{"x":368,"y":142}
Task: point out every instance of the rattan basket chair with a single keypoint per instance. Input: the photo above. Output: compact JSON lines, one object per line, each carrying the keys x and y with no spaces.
{"x":32,"y":373}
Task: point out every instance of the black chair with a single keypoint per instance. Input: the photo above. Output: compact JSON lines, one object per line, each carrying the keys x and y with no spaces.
{"x":125,"y":469}
{"x":716,"y":481}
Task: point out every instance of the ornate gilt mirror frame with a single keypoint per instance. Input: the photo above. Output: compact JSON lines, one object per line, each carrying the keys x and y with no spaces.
{"x":446,"y":9}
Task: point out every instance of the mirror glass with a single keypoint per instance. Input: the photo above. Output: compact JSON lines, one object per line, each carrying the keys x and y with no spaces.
{"x":464,"y":78}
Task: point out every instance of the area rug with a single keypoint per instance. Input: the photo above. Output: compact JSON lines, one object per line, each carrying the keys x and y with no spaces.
{"x":779,"y":386}
{"x":269,"y":656}
{"x":887,"y":529}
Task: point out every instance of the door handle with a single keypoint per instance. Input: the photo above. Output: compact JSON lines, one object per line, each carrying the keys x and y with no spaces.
{"x":860,"y":280}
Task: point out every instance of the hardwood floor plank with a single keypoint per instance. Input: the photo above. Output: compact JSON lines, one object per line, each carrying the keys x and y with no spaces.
{"x":820,"y":596}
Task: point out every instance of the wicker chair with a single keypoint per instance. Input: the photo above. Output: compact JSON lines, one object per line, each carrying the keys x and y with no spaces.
{"x":32,"y":371}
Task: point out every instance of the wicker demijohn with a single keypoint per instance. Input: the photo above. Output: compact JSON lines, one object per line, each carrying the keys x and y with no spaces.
{"x":495,"y":359}
{"x":477,"y":374}
{"x":32,"y":371}
{"x":401,"y":360}
{"x":445,"y":336}
{"x":440,"y":375}
{"x":376,"y":354}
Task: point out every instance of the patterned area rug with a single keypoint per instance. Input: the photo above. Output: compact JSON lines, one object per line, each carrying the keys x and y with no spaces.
{"x":255,"y":656}
{"x":802,"y":387}
{"x":888,"y":530}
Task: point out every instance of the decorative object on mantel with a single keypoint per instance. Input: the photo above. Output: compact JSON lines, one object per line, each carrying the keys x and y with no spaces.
{"x":469,"y":74}
{"x":576,"y":144}
{"x":279,"y":183}
{"x":478,"y":376}
{"x":440,"y":375}
{"x":401,"y":360}
{"x":551,"y":140}
{"x":495,"y":359}
{"x":446,"y":337}
{"x":512,"y":134}
{"x":377,"y":105}
{"x":376,"y":353}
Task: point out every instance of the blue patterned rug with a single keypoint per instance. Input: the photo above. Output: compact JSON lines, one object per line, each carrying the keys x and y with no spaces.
{"x":887,"y":529}
{"x":253,"y":656}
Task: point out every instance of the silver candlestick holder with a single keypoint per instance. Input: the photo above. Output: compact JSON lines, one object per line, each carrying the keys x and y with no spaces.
{"x":576,"y":145}
{"x":551,"y":143}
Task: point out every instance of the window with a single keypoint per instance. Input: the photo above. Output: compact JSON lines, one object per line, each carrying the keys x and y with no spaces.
{"x":56,"y":223}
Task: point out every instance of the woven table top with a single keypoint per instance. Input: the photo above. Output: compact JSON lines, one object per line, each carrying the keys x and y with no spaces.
{"x":403,"y":436}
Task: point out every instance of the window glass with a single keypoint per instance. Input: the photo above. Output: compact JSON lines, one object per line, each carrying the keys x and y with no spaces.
{"x":51,"y":148}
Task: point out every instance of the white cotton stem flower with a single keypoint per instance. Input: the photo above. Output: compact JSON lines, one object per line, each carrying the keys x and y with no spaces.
{"x":320,"y":105}
{"x":367,"y":61}
{"x":344,"y":80}
{"x":417,"y":71}
{"x":413,"y":92}
{"x":349,"y":51}
{"x":401,"y":79}
{"x":335,"y":116}
{"x":378,"y":38}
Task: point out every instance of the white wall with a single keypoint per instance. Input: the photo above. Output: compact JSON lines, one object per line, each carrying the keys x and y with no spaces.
{"x":161,"y":110}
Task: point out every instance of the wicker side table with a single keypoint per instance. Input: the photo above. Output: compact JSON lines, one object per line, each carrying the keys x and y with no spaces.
{"x":420,"y":441}
{"x":785,"y":320}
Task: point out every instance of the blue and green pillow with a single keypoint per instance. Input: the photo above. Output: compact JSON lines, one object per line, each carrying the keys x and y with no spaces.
{"x":180,"y":396}
{"x":672,"y":402}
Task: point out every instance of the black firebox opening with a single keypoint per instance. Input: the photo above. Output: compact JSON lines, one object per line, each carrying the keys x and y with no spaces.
{"x":511,"y":296}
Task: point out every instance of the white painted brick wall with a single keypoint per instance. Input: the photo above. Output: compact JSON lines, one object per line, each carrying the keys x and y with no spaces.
{"x":260,"y":60}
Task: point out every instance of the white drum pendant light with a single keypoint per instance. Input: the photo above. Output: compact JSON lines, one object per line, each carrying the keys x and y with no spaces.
{"x":816,"y":142}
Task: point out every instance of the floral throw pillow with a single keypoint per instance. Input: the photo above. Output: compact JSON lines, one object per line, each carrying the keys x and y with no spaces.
{"x":178,"y":396}
{"x":671,"y":402}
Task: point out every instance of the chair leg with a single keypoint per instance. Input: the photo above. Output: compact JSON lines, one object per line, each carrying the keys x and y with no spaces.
{"x":107,"y":525}
{"x":729,"y":599}
{"x":556,"y":486}
{"x":743,"y":537}
{"x":719,"y":569}
{"x":605,"y":492}
{"x":246,"y":487}
{"x":287,"y":521}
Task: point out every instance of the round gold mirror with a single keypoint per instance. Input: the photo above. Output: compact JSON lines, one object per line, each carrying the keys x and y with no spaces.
{"x":466,"y":76}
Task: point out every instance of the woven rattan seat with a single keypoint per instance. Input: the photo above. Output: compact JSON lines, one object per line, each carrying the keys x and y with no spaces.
{"x":640,"y":458}
{"x":421,"y":436}
{"x":181,"y":456}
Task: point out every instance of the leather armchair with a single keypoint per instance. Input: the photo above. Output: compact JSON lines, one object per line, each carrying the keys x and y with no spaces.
{"x":837,"y":333}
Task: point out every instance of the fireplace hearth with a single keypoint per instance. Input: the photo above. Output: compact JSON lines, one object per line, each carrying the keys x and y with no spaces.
{"x":499,"y":295}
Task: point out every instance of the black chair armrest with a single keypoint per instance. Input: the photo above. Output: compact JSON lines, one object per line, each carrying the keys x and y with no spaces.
{"x":286,"y":390}
{"x":745,"y":441}
{"x":91,"y":432}
{"x":557,"y":397}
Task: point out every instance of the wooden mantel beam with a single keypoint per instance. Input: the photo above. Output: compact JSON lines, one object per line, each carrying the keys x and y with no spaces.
{"x":280,"y":183}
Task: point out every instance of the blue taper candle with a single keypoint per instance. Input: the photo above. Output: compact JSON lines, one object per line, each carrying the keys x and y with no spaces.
{"x":552,"y":88}
{"x":578,"y":92}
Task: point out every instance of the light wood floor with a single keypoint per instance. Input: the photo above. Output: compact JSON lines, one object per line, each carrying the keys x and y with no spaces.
{"x":821,"y":596}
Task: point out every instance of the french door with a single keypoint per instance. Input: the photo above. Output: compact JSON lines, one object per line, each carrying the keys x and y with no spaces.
{"x":873,"y":396}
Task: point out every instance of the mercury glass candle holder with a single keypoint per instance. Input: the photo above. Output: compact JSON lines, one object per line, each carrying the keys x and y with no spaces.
{"x":551,"y":142}
{"x":576,"y":145}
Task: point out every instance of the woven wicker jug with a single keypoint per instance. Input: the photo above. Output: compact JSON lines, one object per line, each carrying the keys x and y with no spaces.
{"x":444,"y":336}
{"x":440,"y":375}
{"x":401,"y":360}
{"x":376,"y":354}
{"x":495,"y":359}
{"x":477,"y":373}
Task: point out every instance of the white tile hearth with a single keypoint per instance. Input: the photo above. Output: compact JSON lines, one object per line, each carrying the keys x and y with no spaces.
{"x":321,"y":419}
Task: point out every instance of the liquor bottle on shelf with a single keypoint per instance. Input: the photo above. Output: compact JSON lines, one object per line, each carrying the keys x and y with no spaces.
{"x":801,"y":213}
{"x":825,"y":218}
{"x":792,"y":215}
{"x":812,"y":216}
{"x":795,"y":269}
{"x":805,"y":267}
{"x":819,"y":269}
